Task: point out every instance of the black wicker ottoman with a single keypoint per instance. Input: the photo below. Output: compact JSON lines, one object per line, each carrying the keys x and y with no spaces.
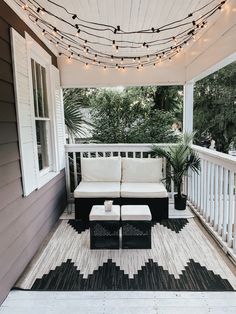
{"x":136,"y":227}
{"x":104,"y":227}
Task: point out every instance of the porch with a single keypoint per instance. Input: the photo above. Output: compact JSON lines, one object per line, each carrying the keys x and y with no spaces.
{"x":184,"y":255}
{"x":192,"y":251}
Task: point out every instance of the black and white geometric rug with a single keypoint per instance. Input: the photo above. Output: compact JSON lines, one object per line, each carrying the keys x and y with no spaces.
{"x":181,"y":258}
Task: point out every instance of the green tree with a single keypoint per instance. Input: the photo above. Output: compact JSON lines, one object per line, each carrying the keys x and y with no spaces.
{"x":167,"y":98}
{"x":123,"y":118}
{"x":215,"y":108}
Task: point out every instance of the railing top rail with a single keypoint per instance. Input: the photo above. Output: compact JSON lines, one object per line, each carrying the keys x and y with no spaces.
{"x":69,"y":148}
{"x":215,"y":156}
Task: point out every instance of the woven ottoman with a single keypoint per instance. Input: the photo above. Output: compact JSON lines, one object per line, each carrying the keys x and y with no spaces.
{"x":104,"y":227}
{"x":136,"y":227}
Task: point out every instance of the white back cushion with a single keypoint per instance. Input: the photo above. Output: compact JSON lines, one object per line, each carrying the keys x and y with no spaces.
{"x":141,"y":170}
{"x":101,"y":169}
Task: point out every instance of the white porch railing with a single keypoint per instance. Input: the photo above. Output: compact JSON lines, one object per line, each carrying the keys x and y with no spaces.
{"x":212,"y":195}
{"x":74,"y":152}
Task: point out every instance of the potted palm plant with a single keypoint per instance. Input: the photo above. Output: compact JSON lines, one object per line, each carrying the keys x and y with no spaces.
{"x":181,"y":157}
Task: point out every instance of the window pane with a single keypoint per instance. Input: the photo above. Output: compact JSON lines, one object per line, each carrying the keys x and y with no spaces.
{"x":39,"y":90}
{"x":34,"y":88}
{"x":45,"y":98}
{"x":42,"y":144}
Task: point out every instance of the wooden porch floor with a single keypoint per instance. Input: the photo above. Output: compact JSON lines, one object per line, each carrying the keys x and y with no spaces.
{"x":28,"y":302}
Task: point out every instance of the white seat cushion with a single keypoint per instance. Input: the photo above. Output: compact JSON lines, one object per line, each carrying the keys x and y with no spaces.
{"x":101,"y":169}
{"x":98,"y":213}
{"x":141,"y":170}
{"x":143,"y":190}
{"x":135,"y":212}
{"x":97,"y":189}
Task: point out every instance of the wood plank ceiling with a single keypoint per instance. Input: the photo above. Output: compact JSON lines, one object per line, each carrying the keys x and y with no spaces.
{"x":130,"y":15}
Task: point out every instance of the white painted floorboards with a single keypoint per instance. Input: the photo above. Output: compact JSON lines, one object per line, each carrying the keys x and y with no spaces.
{"x":28,"y":302}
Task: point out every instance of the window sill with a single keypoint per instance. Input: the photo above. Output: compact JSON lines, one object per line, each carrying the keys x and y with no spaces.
{"x":46,"y":179}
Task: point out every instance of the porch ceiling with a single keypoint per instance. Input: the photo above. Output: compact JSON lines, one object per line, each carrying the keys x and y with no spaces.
{"x":214,"y":44}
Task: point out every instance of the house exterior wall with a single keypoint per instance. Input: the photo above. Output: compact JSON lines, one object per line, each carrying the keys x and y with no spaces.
{"x":24,"y":222}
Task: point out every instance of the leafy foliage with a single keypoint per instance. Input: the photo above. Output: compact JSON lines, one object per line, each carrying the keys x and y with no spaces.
{"x":215,"y":109}
{"x":74,"y":100}
{"x":181,"y":157}
{"x":128,"y":117}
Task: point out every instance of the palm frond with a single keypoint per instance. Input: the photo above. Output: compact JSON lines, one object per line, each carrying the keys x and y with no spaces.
{"x":181,"y":157}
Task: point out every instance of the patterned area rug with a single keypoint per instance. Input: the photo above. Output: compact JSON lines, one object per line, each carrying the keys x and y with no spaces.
{"x":181,"y":258}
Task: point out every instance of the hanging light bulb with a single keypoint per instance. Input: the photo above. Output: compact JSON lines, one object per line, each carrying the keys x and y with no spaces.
{"x":117,"y":49}
{"x":95,"y":56}
{"x":69,"y":46}
{"x":134,"y":59}
{"x":104,"y":68}
{"x":113,"y":43}
{"x":24,"y":6}
{"x":43,"y":32}
{"x":112,"y":58}
{"x":54,"y":31}
{"x":117,"y":66}
{"x":148,"y":59}
{"x":122,"y":59}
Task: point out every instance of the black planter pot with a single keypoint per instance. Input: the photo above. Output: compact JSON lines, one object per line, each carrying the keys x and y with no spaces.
{"x":180,"y":202}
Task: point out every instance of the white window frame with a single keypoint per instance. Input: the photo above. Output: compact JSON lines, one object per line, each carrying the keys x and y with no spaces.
{"x":39,"y":55}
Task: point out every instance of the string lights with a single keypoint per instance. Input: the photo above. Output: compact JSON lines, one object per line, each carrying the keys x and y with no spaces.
{"x":86,"y":38}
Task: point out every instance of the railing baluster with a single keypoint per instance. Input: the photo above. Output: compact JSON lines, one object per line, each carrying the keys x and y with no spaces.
{"x":205,"y":189}
{"x":68,"y":185}
{"x":220,"y":214}
{"x":231,"y":208}
{"x":172,"y":186}
{"x":208,"y":191}
{"x":199,"y":191}
{"x":202,"y":187}
{"x":216,"y":200}
{"x":225,"y":204}
{"x":75,"y":170}
{"x":212,"y":189}
{"x":193,"y":187}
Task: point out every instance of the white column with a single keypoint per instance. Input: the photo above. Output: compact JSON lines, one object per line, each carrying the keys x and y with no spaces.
{"x":188,"y":108}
